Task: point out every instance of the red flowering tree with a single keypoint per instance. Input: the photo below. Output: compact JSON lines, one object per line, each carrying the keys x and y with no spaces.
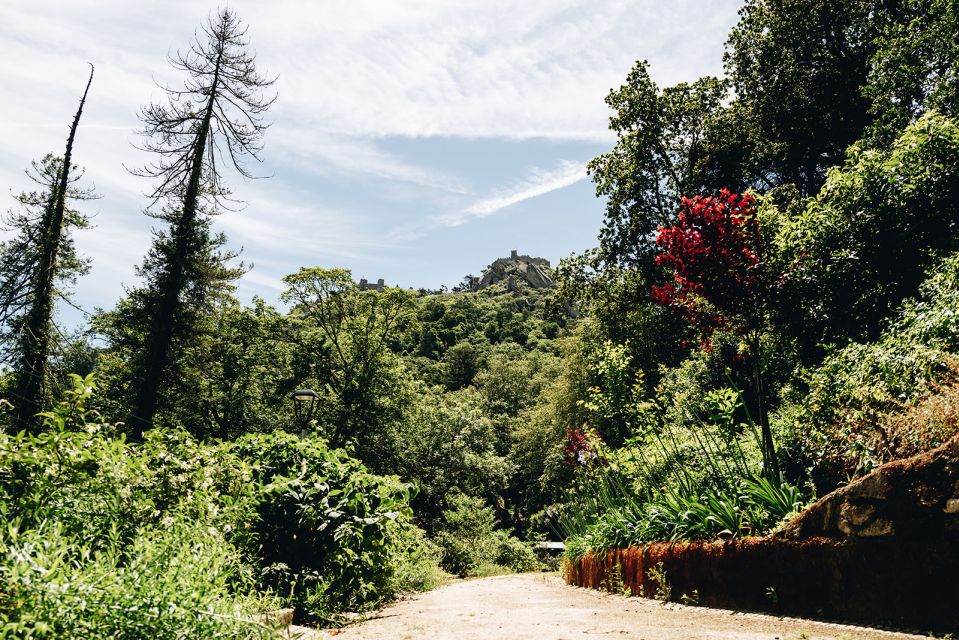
{"x":719,"y":280}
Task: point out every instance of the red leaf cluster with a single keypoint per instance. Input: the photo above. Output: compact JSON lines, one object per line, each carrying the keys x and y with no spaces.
{"x":714,"y":253}
{"x":577,"y":450}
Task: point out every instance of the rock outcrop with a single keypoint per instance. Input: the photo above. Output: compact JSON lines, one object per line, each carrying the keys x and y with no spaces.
{"x":516,"y":268}
{"x":916,"y":498}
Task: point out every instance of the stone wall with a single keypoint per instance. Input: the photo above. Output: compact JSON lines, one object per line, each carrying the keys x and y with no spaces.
{"x":914,"y":499}
{"x":874,"y":582}
{"x":882,"y":550}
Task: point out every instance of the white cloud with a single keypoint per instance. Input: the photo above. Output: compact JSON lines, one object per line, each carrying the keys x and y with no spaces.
{"x":482,"y":68}
{"x":369,"y":68}
{"x":322,"y":152}
{"x":537,"y":183}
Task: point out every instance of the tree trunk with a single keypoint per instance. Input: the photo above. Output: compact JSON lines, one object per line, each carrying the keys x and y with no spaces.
{"x":770,"y":460}
{"x":168,"y":307}
{"x":35,"y":333}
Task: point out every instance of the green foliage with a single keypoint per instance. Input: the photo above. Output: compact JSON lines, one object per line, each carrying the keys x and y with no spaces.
{"x":754,"y":508}
{"x":105,"y":539}
{"x":471,"y":543}
{"x":467,"y":395}
{"x":239,"y":374}
{"x":778,"y":501}
{"x":618,"y":307}
{"x":37,"y":263}
{"x":185,"y":270}
{"x":325,"y":530}
{"x":913,"y":68}
{"x":864,"y":243}
{"x":661,"y":148}
{"x":555,"y":390}
{"x":669,"y":482}
{"x":220,"y":530}
{"x":845,"y":414}
{"x":449,"y":446}
{"x":663,"y":589}
{"x":612,"y":403}
{"x":234,"y":376}
{"x":173,"y":581}
{"x":416,"y":562}
{"x":443,"y":417}
{"x":797,"y":67}
{"x":350,"y":333}
{"x":461,"y":363}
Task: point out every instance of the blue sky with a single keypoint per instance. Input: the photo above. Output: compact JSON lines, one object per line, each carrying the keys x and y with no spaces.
{"x":414,"y":141}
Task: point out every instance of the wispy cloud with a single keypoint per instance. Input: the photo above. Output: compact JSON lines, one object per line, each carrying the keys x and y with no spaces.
{"x":321,"y":153}
{"x":537,"y":183}
{"x":371,"y":68}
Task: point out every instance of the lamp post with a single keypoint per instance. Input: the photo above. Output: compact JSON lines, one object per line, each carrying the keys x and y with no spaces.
{"x":304,"y":403}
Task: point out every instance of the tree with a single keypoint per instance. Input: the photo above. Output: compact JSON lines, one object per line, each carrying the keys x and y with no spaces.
{"x":349,"y":333}
{"x":217,"y":117}
{"x":798,"y":68}
{"x":914,"y":66}
{"x":669,"y":141}
{"x":720,"y":280}
{"x":32,"y":264}
{"x":661,"y":153}
{"x":449,"y":445}
{"x":617,"y":302}
{"x":461,"y":363}
{"x":238,"y":374}
{"x":865,"y":242}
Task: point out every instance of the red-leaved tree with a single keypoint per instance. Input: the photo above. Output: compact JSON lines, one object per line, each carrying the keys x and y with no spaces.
{"x":719,"y":280}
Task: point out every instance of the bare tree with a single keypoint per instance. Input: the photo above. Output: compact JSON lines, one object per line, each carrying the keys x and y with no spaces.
{"x":32,"y":264}
{"x":214,"y":121}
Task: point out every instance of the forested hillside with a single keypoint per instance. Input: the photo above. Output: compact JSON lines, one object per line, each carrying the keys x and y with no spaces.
{"x":769,"y":313}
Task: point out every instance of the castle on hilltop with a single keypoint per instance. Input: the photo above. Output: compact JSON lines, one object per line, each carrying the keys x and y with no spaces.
{"x":532,"y":271}
{"x":511,"y":271}
{"x":366,"y":285}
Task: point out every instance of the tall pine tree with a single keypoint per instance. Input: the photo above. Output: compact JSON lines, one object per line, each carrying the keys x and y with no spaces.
{"x":215,"y":120}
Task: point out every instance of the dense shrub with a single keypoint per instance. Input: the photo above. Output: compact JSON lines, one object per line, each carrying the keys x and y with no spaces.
{"x":853,"y":413}
{"x":174,"y":581}
{"x":472,"y":545}
{"x":864,"y":242}
{"x":209,"y":532}
{"x":449,"y":446}
{"x":104,"y":539}
{"x":324,"y":530}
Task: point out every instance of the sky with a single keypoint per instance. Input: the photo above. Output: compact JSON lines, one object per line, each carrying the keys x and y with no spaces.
{"x":414,"y":141}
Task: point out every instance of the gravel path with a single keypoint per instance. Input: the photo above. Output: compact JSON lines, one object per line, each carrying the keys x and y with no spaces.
{"x":542,"y":607}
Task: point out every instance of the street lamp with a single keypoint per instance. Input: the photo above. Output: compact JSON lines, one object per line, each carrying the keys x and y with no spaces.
{"x":304,"y":403}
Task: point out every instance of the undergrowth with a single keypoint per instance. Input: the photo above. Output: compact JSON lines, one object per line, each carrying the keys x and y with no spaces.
{"x":173,"y":538}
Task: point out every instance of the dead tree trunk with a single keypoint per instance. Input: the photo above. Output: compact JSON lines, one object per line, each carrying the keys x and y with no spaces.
{"x":35,"y":338}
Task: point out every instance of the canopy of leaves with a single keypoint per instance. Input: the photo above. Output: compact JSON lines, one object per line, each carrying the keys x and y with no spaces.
{"x":914,"y":67}
{"x":661,"y":153}
{"x":797,"y":68}
{"x":864,"y":242}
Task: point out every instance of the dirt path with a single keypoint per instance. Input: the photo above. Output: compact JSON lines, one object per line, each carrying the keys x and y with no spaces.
{"x":542,"y":607}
